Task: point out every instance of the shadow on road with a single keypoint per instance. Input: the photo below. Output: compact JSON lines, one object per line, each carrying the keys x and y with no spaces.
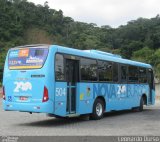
{"x":54,"y":122}
{"x":82,"y":119}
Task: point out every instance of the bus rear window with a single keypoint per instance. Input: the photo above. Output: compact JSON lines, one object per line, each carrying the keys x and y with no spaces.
{"x":27,"y":58}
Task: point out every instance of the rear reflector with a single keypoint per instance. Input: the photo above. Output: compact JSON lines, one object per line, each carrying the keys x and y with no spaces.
{"x":3,"y":93}
{"x":45,"y":95}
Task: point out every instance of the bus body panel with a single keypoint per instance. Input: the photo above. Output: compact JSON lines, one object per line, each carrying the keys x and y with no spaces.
{"x":29,"y":107}
{"x":117,"y":96}
{"x":85,"y":98}
{"x":60,"y":98}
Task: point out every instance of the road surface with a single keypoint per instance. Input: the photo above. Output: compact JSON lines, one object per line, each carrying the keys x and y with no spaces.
{"x":117,"y":123}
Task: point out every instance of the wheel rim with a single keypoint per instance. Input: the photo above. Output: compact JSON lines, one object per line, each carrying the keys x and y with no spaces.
{"x":99,"y":109}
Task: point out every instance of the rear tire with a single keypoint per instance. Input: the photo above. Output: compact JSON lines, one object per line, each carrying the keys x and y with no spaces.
{"x":98,"y":110}
{"x":141,"y":108}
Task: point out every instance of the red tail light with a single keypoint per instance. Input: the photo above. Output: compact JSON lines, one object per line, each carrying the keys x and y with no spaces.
{"x":45,"y":95}
{"x":3,"y":93}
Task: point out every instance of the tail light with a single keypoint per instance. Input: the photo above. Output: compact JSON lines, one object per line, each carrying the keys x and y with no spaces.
{"x":45,"y":95}
{"x":3,"y":93}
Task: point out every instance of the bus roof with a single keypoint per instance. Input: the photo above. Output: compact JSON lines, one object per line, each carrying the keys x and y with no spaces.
{"x":96,"y":54}
{"x":31,"y":45}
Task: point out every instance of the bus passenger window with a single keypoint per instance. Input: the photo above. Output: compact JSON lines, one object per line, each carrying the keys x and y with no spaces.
{"x":59,"y":67}
{"x":105,"y":71}
{"x":142,"y":75}
{"x":132,"y":74}
{"x":88,"y":69}
{"x":115,"y":72}
{"x":123,"y":73}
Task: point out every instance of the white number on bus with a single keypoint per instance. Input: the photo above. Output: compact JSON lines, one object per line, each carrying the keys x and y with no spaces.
{"x":60,"y":92}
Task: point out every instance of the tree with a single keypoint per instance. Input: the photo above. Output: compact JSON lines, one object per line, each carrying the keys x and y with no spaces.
{"x":23,"y":22}
{"x":143,"y":55}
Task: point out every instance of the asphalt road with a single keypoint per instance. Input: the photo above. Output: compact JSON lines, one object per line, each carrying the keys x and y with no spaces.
{"x":117,"y":123}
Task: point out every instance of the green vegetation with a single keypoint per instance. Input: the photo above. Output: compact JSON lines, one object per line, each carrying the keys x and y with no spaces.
{"x":23,"y":22}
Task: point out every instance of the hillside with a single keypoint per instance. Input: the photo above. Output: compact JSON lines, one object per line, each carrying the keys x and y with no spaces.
{"x":22,"y":22}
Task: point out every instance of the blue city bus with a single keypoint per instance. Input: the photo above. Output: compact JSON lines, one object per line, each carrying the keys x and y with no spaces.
{"x":68,"y":82}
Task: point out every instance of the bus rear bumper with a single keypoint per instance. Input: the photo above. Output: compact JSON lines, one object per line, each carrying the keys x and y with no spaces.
{"x":46,"y":107}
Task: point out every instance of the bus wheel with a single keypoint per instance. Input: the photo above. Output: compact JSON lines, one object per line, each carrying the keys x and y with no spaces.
{"x":98,"y":109}
{"x":141,"y":104}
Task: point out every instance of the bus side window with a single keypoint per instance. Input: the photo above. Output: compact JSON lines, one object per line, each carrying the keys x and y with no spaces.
{"x":133,"y":74}
{"x":142,"y":75}
{"x":88,"y":69}
{"x":115,"y":72}
{"x":105,"y":70}
{"x":123,"y":73}
{"x":59,"y":67}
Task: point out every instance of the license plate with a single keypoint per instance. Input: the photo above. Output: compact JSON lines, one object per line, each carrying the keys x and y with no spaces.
{"x":22,"y":98}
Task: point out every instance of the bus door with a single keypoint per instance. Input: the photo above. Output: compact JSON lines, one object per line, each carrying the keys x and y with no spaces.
{"x":72,"y":77}
{"x":151,"y":84}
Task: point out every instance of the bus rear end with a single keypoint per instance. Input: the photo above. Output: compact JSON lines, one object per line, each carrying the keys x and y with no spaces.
{"x":25,"y":86}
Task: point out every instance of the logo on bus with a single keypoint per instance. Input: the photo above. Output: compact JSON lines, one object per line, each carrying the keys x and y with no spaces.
{"x":116,"y":91}
{"x":23,"y":86}
{"x":121,"y":89}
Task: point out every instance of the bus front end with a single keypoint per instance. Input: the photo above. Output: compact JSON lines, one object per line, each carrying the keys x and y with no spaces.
{"x":25,"y":85}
